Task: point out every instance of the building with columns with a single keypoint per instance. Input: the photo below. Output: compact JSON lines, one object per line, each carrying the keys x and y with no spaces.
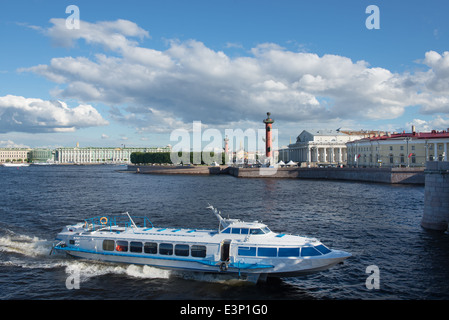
{"x":320,"y":147}
{"x":399,"y":149}
{"x":94,"y":155}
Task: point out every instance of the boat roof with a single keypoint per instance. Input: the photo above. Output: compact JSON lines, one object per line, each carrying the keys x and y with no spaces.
{"x":243,"y":224}
{"x":154,"y":233}
{"x":202,"y":236}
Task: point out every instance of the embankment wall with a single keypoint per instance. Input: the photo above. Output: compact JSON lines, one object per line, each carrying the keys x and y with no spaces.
{"x":192,"y":170}
{"x":381,"y":175}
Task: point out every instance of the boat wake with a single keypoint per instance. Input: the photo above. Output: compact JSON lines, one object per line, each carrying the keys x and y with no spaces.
{"x":90,"y":269}
{"x":25,"y":245}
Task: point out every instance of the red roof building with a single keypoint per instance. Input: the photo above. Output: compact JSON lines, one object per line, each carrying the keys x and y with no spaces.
{"x":399,"y":149}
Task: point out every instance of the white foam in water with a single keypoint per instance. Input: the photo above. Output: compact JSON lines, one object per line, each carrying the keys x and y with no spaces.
{"x":147,"y":272}
{"x":25,"y":245}
{"x":90,"y":269}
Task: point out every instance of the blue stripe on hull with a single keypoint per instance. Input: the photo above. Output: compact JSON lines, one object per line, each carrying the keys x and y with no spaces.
{"x":209,"y":265}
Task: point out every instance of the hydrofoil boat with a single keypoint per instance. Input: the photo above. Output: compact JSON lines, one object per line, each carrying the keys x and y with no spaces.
{"x":248,"y":250}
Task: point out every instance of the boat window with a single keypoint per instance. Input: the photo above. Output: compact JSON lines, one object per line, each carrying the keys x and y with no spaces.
{"x":198,"y":251}
{"x":244,"y":231}
{"x":266,"y":230}
{"x":227,"y":230}
{"x":288,"y":252}
{"x":135,"y":246}
{"x":267,"y":252}
{"x":108,"y":245}
{"x":182,"y":250}
{"x":323,"y":249}
{"x":235,"y":230}
{"x":150,"y":247}
{"x":309,"y":252}
{"x":247,"y":251}
{"x":256,"y":231}
{"x":122,"y":246}
{"x":166,"y":249}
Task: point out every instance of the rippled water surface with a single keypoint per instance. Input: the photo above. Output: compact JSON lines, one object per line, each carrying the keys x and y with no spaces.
{"x":379,"y":224}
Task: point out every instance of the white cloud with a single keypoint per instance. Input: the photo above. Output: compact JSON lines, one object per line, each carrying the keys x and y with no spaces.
{"x":438,"y":123}
{"x":11,"y":144}
{"x":111,"y":34}
{"x":22,"y":114}
{"x":164,"y":90}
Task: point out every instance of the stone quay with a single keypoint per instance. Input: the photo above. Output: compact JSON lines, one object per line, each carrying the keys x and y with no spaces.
{"x":436,"y":196}
{"x":376,"y":175}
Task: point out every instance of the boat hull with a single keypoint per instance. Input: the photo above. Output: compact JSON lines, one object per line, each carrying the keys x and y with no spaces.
{"x":252,"y":271}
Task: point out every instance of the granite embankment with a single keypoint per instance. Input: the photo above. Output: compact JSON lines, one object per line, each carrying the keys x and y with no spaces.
{"x":436,"y":196}
{"x":190,"y":170}
{"x":380,"y":175}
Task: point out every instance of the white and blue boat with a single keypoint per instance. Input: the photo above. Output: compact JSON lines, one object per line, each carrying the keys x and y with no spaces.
{"x":246,"y":250}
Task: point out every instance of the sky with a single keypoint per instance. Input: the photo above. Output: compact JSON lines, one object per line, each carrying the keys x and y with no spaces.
{"x":130,"y":73}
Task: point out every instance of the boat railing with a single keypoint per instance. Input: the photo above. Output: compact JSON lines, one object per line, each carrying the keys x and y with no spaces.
{"x":110,"y":222}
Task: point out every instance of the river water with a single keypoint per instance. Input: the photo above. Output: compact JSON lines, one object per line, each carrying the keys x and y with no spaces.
{"x":378,"y":223}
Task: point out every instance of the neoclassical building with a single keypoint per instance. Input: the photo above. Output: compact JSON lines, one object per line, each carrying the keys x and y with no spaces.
{"x":399,"y":149}
{"x":14,"y":154}
{"x":320,"y":147}
{"x":92,"y":155}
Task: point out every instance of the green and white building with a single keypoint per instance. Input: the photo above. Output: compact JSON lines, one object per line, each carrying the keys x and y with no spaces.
{"x":42,"y":155}
{"x":98,"y":155}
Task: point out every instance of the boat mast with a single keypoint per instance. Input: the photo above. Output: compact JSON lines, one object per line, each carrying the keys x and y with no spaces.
{"x":217,"y":214}
{"x":134,"y":225}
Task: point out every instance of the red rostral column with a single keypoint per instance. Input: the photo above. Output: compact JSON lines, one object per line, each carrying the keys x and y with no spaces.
{"x":268,"y":126}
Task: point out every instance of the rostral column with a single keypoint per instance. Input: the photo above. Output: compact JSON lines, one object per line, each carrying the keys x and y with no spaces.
{"x":268,"y":126}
